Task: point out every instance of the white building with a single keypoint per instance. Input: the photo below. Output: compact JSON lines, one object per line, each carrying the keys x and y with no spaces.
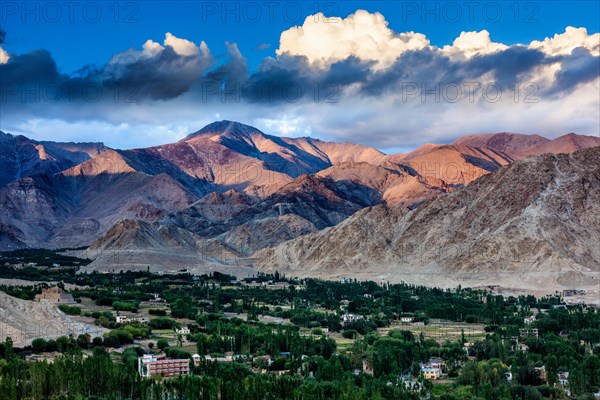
{"x":196,"y":357}
{"x":407,"y":320}
{"x":347,"y":318}
{"x":433,"y":369}
{"x":431,"y":373}
{"x":563,"y":378}
{"x":184,"y":330}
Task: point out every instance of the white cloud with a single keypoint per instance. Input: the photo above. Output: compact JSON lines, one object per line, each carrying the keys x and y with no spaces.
{"x":362,"y":34}
{"x":564,"y":43}
{"x":367,"y":36}
{"x":151,"y":48}
{"x":469,"y":44}
{"x":183,"y":47}
{"x":286,"y":125}
{"x":3,"y":56}
{"x":117,"y":135}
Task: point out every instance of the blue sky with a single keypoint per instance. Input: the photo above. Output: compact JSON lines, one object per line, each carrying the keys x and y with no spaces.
{"x":78,"y":37}
{"x":93,"y":40}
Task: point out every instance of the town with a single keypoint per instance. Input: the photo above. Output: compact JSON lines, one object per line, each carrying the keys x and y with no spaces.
{"x":169,"y":332}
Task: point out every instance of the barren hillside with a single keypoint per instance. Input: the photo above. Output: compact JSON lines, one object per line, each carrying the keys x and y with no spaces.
{"x":25,"y":320}
{"x":532,"y":223}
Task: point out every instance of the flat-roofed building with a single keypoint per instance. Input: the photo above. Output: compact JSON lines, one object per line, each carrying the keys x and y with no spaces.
{"x":149,"y":365}
{"x":54,"y":295}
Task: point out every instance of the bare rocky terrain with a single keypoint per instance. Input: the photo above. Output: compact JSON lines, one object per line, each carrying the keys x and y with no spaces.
{"x":22,"y":157}
{"x":25,"y":320}
{"x":534,"y":223}
{"x":229,"y":194}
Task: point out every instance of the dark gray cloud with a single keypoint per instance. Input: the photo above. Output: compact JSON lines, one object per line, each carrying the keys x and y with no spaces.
{"x":578,"y":68}
{"x":163,"y":77}
{"x":138,"y":77}
{"x":32,"y":80}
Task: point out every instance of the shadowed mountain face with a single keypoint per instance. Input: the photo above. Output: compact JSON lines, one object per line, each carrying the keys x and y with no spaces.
{"x":224,"y":192}
{"x":22,"y":157}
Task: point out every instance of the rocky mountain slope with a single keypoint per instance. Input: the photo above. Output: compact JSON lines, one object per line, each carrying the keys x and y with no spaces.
{"x":229,"y":190}
{"x":520,"y":146}
{"x":535,"y":223}
{"x":22,"y":157}
{"x":75,"y":201}
{"x":72,"y":208}
{"x":25,"y":320}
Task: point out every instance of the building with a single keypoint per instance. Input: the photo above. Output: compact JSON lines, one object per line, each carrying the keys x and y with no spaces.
{"x":149,"y":365}
{"x":407,"y":320}
{"x":573,"y":292}
{"x":197,"y":359}
{"x":184,"y":330}
{"x":436,"y":362}
{"x":366,"y":368}
{"x":55,"y":295}
{"x":522,"y":347}
{"x":563,"y":378}
{"x":344,"y":304}
{"x":433,"y":369}
{"x":431,"y":373}
{"x":529,"y":320}
{"x":125,"y":319}
{"x":529,"y":332}
{"x":347,"y":318}
{"x":229,"y":358}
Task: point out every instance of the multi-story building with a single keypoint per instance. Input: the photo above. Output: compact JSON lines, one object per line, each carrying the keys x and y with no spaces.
{"x":149,"y":365}
{"x":433,"y":369}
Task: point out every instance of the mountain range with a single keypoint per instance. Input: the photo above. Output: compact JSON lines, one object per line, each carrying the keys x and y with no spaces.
{"x":231,"y":197}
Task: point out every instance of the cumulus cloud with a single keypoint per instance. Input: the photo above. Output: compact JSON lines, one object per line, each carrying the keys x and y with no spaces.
{"x":565,"y":43}
{"x":183,"y":47}
{"x":363,"y":35}
{"x":469,"y":44}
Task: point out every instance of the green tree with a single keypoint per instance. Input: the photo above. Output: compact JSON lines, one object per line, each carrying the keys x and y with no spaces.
{"x":162,"y":344}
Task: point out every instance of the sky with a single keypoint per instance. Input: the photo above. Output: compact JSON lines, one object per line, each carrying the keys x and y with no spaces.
{"x":389,"y":74}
